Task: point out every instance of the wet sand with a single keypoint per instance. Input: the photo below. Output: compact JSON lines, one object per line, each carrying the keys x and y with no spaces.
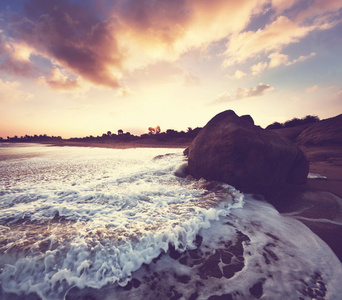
{"x":318,"y":203}
{"x":143,"y":143}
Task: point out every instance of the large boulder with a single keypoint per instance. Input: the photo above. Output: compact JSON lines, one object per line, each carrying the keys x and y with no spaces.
{"x":233,"y":150}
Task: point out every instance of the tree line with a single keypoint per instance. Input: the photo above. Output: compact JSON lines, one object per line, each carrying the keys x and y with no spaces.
{"x":294,"y":122}
{"x":153,"y":132}
{"x":31,"y":138}
{"x":108,"y":136}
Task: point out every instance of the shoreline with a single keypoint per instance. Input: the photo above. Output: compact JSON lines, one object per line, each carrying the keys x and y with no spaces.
{"x":317,"y":204}
{"x":145,"y":143}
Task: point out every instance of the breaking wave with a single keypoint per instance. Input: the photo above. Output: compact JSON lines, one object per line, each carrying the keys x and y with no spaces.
{"x":129,"y":224}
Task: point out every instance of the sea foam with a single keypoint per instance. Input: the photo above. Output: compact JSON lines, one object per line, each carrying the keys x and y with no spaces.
{"x":88,"y":217}
{"x":122,"y":224}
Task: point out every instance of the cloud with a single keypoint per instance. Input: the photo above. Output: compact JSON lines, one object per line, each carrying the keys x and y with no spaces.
{"x":312,"y":89}
{"x":302,"y":58}
{"x":274,"y":36}
{"x":59,"y":80}
{"x":124,"y":91}
{"x":242,"y":93}
{"x":321,"y":11}
{"x":284,"y":30}
{"x":101,"y":45}
{"x":191,"y":79}
{"x":238,"y":75}
{"x":224,"y":97}
{"x":257,"y":91}
{"x":280,"y":5}
{"x":16,"y":58}
{"x":104,"y":41}
{"x":10,"y":92}
{"x":21,"y":68}
{"x":70,"y":35}
{"x":277,"y":59}
{"x":5,"y":48}
{"x":258,"y":68}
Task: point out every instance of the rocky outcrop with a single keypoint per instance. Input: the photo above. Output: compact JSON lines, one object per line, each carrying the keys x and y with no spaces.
{"x":291,"y":133}
{"x":325,"y":132}
{"x":233,"y":150}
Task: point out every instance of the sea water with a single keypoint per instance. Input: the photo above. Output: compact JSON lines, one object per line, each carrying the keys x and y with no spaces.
{"x":96,"y":223}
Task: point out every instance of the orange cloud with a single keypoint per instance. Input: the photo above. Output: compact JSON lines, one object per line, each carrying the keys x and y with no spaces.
{"x":71,"y":37}
{"x":134,"y":33}
{"x":163,"y":30}
{"x":242,"y":93}
{"x":258,"y":68}
{"x":16,"y":58}
{"x":58,"y":80}
{"x":277,"y":59}
{"x":238,"y":75}
{"x":104,"y":42}
{"x":281,"y":32}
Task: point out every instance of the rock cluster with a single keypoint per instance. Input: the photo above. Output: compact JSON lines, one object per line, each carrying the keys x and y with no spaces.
{"x":232,"y":149}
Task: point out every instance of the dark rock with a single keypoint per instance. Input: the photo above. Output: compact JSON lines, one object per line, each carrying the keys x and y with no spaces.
{"x":230,"y":270}
{"x":211,"y":268}
{"x":221,"y":297}
{"x":174,"y":253}
{"x":198,"y":240}
{"x":186,"y":151}
{"x":194,"y":296}
{"x":233,"y":150}
{"x":248,"y":119}
{"x":290,"y":133}
{"x":256,"y":290}
{"x":135,"y":283}
{"x":226,"y":257}
{"x":182,"y":278}
{"x":325,"y":132}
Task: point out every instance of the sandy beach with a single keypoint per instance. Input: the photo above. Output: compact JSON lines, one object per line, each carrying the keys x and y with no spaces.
{"x":143,"y":143}
{"x":318,"y":204}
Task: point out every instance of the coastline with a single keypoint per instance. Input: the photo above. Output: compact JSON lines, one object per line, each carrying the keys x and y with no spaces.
{"x":317,"y":204}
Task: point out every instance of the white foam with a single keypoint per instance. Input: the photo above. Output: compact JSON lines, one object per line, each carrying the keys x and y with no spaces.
{"x":316,"y":176}
{"x":99,"y":215}
{"x":91,"y":218}
{"x":282,"y":255}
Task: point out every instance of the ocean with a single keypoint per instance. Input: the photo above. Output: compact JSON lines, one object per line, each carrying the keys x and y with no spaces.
{"x":96,"y":223}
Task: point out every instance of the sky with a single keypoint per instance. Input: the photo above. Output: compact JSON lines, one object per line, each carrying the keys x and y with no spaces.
{"x":75,"y":68}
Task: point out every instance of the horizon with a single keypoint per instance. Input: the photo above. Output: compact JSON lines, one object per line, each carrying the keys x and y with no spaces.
{"x":153,"y":133}
{"x":73,"y":68}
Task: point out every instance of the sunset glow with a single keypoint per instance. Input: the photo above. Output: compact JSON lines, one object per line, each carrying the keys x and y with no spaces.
{"x":74,"y":68}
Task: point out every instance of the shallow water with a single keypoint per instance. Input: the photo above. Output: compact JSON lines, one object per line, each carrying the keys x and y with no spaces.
{"x":118,"y":224}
